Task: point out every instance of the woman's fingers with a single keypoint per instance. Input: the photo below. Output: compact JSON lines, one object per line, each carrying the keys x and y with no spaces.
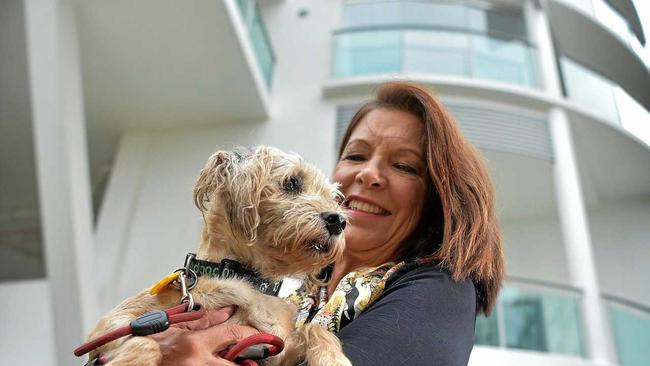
{"x":199,"y":342}
{"x":223,"y":336}
{"x":210,"y":319}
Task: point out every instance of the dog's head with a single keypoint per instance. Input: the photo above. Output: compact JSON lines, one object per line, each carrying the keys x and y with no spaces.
{"x":271,"y":210}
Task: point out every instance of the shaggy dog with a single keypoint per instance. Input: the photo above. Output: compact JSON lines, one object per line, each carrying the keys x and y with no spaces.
{"x":276,"y":215}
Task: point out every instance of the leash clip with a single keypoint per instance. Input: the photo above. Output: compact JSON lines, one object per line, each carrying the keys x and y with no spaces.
{"x":184,"y":274}
{"x":186,"y":296}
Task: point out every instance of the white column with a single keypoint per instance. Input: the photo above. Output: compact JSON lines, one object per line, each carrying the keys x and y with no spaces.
{"x":540,"y":33}
{"x":62,"y":169}
{"x":577,"y":240}
{"x":572,"y":210}
{"x":116,"y":215}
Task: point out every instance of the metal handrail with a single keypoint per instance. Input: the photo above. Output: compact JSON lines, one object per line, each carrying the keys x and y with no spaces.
{"x":545,"y":284}
{"x":577,"y":290}
{"x":627,"y":303}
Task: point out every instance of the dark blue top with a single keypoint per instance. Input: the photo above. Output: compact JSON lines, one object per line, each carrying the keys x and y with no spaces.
{"x":421,"y":318}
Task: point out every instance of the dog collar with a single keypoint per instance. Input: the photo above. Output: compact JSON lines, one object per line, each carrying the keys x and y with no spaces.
{"x":229,"y":268}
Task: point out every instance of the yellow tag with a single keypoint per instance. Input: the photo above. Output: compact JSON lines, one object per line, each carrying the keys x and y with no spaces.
{"x":163,"y":283}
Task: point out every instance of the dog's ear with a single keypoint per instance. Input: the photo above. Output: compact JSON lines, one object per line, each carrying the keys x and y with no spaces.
{"x":212,"y":178}
{"x":236,"y":180}
{"x":243,"y":202}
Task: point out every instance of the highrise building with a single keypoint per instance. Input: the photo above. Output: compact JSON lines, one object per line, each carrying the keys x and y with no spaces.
{"x":108,"y":109}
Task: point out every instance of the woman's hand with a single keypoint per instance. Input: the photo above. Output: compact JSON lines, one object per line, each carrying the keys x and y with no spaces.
{"x":198,"y":342}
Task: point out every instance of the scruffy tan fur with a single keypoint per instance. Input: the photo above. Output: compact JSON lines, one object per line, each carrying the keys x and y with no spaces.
{"x":251,"y":217}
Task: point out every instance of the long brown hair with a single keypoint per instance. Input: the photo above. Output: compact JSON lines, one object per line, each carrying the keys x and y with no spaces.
{"x":459,"y":222}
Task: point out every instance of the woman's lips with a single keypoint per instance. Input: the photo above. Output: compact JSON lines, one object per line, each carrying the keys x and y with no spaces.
{"x":364,"y":207}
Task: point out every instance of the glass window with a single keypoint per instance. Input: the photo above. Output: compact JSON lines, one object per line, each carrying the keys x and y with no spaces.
{"x":435,"y":37}
{"x":486,"y":332}
{"x":262,"y":47}
{"x":589,"y":90}
{"x":367,"y":53}
{"x":524,"y":320}
{"x":511,"y":62}
{"x":506,"y":23}
{"x":434,"y":14}
{"x":369,"y":13}
{"x":252,"y":18}
{"x":503,"y":22}
{"x":443,"y":53}
{"x":541,"y":322}
{"x":632,"y":335}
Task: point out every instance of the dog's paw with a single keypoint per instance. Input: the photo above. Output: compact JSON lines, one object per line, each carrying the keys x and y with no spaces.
{"x":139,"y":351}
{"x":323,"y":348}
{"x":335,"y":360}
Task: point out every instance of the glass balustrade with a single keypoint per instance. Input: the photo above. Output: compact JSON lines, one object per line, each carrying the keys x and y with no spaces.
{"x":589,"y":90}
{"x":537,"y":318}
{"x":458,"y":38}
{"x":506,"y":20}
{"x":611,"y":19}
{"x":250,"y":13}
{"x":433,"y":51}
{"x":631,"y":332}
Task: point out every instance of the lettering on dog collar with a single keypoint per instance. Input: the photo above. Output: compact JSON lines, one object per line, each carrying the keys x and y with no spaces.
{"x":229,"y":268}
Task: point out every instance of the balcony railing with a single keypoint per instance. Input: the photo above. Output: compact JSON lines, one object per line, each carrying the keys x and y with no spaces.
{"x":534,"y":316}
{"x":609,"y":18}
{"x":437,"y":50}
{"x":590,"y":90}
{"x":631,"y":331}
{"x":259,"y":38}
{"x":604,"y":98}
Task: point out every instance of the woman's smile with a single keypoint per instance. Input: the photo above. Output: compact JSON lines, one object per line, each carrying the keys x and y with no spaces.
{"x":357,"y":205}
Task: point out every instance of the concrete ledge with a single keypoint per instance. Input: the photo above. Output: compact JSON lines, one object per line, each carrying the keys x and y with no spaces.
{"x":346,"y":90}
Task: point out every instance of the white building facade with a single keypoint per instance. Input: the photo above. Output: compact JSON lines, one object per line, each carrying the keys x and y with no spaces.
{"x":108,"y":110}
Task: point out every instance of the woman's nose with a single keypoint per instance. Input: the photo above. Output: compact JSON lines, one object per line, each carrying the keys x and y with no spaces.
{"x":371,"y":175}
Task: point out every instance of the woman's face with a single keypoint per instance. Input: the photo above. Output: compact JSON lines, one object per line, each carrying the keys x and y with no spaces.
{"x":383,"y":176}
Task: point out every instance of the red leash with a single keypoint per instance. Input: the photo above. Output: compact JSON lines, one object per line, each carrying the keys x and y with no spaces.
{"x":149,"y":323}
{"x":252,"y":348}
{"x":244,"y":352}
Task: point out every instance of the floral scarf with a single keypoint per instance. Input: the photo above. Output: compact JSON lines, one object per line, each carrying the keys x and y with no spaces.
{"x":354,"y":294}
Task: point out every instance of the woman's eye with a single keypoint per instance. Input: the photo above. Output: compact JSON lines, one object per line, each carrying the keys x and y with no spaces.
{"x":354,"y":157}
{"x":406,"y":168}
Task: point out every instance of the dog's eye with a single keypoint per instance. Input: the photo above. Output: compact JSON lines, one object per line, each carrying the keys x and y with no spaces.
{"x":293,"y":184}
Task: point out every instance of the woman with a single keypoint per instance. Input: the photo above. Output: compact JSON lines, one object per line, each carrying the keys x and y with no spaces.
{"x":423,"y":250}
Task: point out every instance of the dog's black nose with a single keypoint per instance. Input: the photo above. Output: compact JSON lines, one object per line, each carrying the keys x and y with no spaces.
{"x":334,"y":222}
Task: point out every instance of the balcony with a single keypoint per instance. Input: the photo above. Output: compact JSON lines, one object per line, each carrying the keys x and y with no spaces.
{"x":535,"y":317}
{"x":631,"y":328}
{"x":628,"y":30}
{"x":431,"y":50}
{"x":460,"y":39}
{"x":608,"y":53}
{"x":546,"y":318}
{"x":604,"y":100}
{"x":259,"y":37}
{"x":161,"y":64}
